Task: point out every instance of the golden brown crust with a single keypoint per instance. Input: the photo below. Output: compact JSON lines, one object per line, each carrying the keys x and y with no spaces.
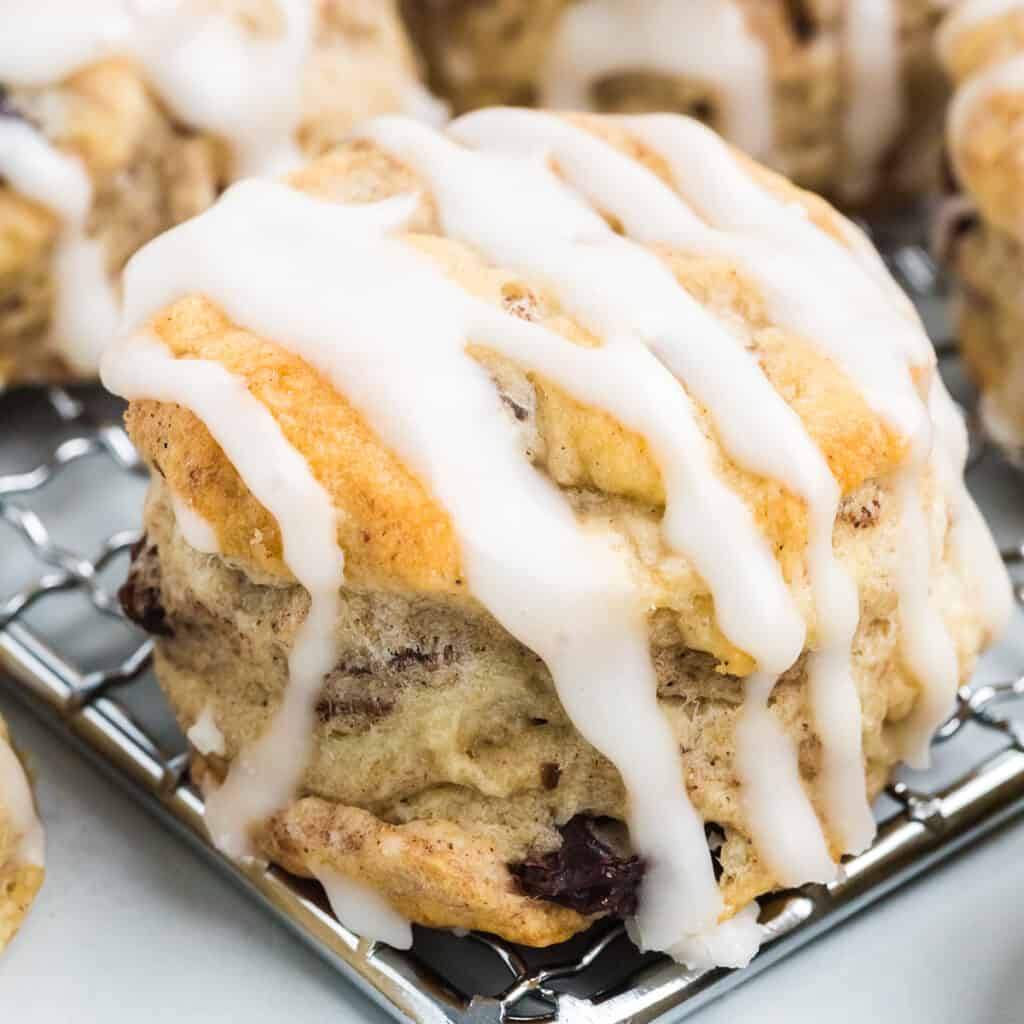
{"x":432,"y":872}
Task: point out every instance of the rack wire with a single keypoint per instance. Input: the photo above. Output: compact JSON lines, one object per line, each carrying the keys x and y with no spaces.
{"x":106,"y":702}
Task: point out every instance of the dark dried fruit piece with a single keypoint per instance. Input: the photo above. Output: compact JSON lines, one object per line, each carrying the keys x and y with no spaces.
{"x":550,"y":773}
{"x":140,"y":593}
{"x":584,"y":874}
{"x":802,"y":19}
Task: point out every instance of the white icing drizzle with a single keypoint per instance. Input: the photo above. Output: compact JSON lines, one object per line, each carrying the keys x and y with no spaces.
{"x":502,"y":208}
{"x":17,"y":804}
{"x":776,"y":808}
{"x":212,"y":71}
{"x":525,"y":555}
{"x":196,"y":530}
{"x":872,"y":333}
{"x":204,"y":734}
{"x":975,"y":552}
{"x":265,"y":774}
{"x":708,"y":40}
{"x":977,"y":561}
{"x":85,"y":313}
{"x":873,"y":110}
{"x":361,"y":909}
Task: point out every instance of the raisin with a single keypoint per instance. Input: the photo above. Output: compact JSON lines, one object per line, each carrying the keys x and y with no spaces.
{"x":140,"y":593}
{"x":584,"y":874}
{"x":550,"y":773}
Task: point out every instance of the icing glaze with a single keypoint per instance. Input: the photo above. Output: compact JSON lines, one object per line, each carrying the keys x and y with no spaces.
{"x":873,"y":111}
{"x":85,"y":313}
{"x":215,"y":73}
{"x":404,"y":365}
{"x":17,"y":805}
{"x":204,"y":734}
{"x":708,"y":40}
{"x":263,"y":777}
{"x":194,"y":528}
{"x":691,"y":345}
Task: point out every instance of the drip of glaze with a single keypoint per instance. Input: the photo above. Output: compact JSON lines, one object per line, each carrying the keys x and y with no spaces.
{"x":196,"y":530}
{"x":975,"y":550}
{"x":729,"y":383}
{"x":873,"y":331}
{"x":16,"y":801}
{"x":874,"y":102}
{"x":886,"y":346}
{"x":706,"y":40}
{"x":363,"y":910}
{"x":204,"y":734}
{"x":520,"y":216}
{"x":774,"y":801}
{"x":265,"y":774}
{"x":212,"y":71}
{"x":85,"y":313}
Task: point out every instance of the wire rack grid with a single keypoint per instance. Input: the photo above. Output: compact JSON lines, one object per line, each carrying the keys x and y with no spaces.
{"x":598,"y":978}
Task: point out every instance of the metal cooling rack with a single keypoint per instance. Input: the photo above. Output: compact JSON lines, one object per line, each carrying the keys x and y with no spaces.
{"x":87,"y":674}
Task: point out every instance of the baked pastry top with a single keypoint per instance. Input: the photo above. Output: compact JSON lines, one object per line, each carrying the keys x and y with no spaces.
{"x":982,"y":47}
{"x":844,"y":96}
{"x":21,"y":842}
{"x":532,"y":500}
{"x":119,"y":122}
